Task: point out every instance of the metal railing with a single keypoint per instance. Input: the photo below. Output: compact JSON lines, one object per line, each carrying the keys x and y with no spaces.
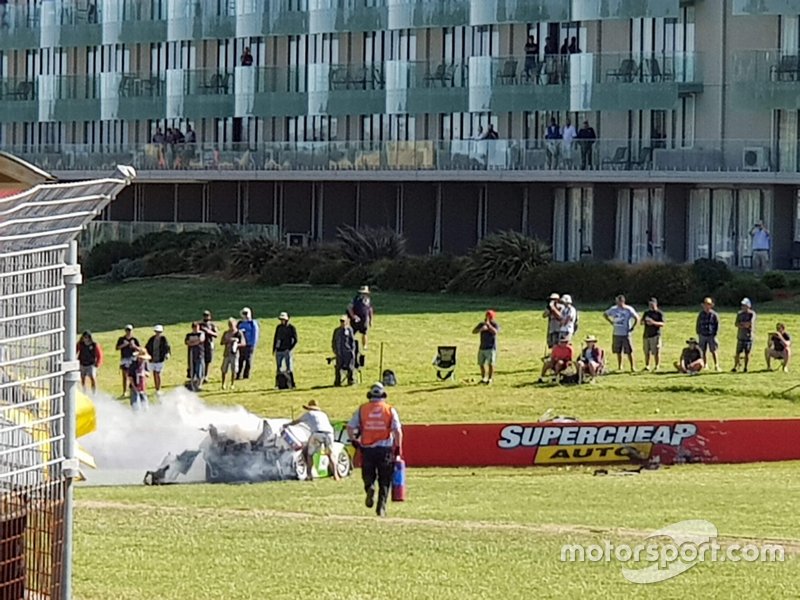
{"x":605,"y":154}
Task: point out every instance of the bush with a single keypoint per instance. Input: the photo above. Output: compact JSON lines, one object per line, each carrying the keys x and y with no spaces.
{"x":127,"y":268}
{"x":370,"y":244}
{"x":164,"y":263}
{"x":502,"y":260}
{"x":584,"y":281}
{"x":671,"y":283}
{"x":419,"y":274}
{"x":709,"y":275}
{"x":775,"y":280}
{"x":357,"y":276}
{"x":742,"y":286}
{"x":249,"y":256}
{"x":104,"y":255}
{"x":329,"y":272}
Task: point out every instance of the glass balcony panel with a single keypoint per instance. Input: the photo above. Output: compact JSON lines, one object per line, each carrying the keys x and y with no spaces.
{"x":270,"y":17}
{"x":327,"y":16}
{"x":205,"y":93}
{"x":594,"y":10}
{"x":133,"y":21}
{"x":412,"y":14}
{"x":19,"y":99}
{"x":766,"y":80}
{"x":436,"y":87}
{"x":488,"y":12}
{"x":19,"y":26}
{"x":766,"y":7}
{"x":508,"y":84}
{"x":271,"y":91}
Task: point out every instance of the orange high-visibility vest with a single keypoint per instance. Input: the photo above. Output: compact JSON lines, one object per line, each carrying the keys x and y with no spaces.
{"x":376,"y":422}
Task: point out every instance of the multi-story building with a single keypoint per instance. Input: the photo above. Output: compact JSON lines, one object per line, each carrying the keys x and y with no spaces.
{"x":312,"y":113}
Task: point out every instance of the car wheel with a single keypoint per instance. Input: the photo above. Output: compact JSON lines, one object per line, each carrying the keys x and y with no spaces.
{"x":343,"y":464}
{"x":299,"y":467}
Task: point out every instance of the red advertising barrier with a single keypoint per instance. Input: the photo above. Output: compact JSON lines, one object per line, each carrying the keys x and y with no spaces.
{"x":551,"y":443}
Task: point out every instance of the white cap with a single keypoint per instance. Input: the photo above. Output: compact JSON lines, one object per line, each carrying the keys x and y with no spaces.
{"x":284,"y":316}
{"x":566,"y":299}
{"x":128,"y":327}
{"x":246,"y":311}
{"x":158,"y":328}
{"x":746,"y":302}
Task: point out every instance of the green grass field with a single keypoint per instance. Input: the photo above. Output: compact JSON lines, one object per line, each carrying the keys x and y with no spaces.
{"x":463,"y":533}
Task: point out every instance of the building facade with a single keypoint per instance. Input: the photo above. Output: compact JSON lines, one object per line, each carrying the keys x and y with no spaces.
{"x":307,"y":114}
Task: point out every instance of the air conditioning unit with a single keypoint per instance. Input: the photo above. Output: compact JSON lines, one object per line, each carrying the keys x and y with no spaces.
{"x":755,"y":158}
{"x":297,"y":240}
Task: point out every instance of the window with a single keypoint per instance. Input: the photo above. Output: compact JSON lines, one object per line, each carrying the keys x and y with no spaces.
{"x":720,"y":221}
{"x":640,"y":225}
{"x":573,"y":223}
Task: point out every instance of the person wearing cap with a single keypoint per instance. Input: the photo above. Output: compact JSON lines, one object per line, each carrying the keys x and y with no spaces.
{"x":624,"y":320}
{"x":779,"y":347}
{"x":691,"y":361}
{"x":706,"y":328}
{"x":137,"y":373}
{"x":232,"y":341}
{"x":90,"y":357}
{"x":591,"y":359}
{"x":195,"y":353}
{"x":487,"y":350}
{"x":375,"y":428}
{"x":159,"y":349}
{"x":745,"y":331}
{"x":210,"y":331}
{"x":127,"y":344}
{"x":283,"y":344}
{"x":569,"y":317}
{"x":361,"y":313}
{"x":560,"y":357}
{"x":321,"y":439}
{"x":653,"y":320}
{"x":553,"y":315}
{"x":343,"y":344}
{"x":249,"y":328}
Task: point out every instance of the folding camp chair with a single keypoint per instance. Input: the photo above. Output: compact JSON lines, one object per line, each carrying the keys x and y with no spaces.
{"x":445,"y":362}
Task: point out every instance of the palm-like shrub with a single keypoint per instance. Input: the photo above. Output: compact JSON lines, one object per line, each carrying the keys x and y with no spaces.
{"x":249,"y":256}
{"x":505,"y":257}
{"x":369,"y":244}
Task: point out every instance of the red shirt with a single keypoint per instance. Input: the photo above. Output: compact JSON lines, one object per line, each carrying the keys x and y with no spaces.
{"x":561,"y":352}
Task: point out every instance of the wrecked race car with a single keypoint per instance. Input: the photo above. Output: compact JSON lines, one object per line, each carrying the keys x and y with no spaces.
{"x":236,"y":455}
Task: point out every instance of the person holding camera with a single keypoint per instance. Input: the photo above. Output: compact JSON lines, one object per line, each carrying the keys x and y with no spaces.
{"x":487,"y":352}
{"x":343,"y":345}
{"x":553,"y":315}
{"x":762,"y":244}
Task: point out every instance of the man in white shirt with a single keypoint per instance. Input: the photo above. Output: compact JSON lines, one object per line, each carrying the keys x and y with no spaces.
{"x":624,"y":319}
{"x":321,"y":439}
{"x":569,"y":316}
{"x":568,"y":134}
{"x":762,"y":243}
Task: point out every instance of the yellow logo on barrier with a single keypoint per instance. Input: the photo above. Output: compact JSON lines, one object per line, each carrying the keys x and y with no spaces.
{"x":553,"y":455}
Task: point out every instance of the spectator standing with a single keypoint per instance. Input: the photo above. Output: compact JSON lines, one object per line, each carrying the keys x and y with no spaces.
{"x":779,"y":346}
{"x":247,"y":58}
{"x":127,"y":346}
{"x":361,"y":314}
{"x":283,"y":344}
{"x":531,"y":58}
{"x":624,"y":320}
{"x":376,"y":429}
{"x":90,"y":357}
{"x":191,"y":136}
{"x":137,"y":372}
{"x":491,"y":133}
{"x":745,"y":331}
{"x":569,"y":318}
{"x":249,"y":327}
{"x":560,"y":357}
{"x":762,"y":244}
{"x":321,"y":440}
{"x":210,"y":333}
{"x":159,"y":350}
{"x":707,"y":328}
{"x":574,"y":48}
{"x":232,"y":341}
{"x":195,"y":342}
{"x":586,"y":139}
{"x":552,"y":137}
{"x":553,"y":315}
{"x":564,"y":47}
{"x":487,"y":351}
{"x":653,"y":320}
{"x":343,"y":345}
{"x":691,"y":361}
{"x":567,"y":136}
{"x":158,"y":136}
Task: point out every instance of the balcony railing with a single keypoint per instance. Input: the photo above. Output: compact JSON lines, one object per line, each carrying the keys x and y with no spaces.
{"x":767,"y":79}
{"x":652,"y":156}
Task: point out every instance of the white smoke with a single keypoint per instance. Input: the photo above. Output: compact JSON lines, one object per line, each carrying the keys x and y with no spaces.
{"x":139,"y":441}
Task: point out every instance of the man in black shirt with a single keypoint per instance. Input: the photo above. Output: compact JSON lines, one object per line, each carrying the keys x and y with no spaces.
{"x":283,"y":344}
{"x":691,"y":361}
{"x":210,"y":332}
{"x":487,"y":352}
{"x":127,"y":345}
{"x":195,"y":344}
{"x":779,"y":347}
{"x":653,"y":320}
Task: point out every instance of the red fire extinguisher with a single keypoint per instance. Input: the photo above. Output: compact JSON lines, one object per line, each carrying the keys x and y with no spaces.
{"x":399,"y":480}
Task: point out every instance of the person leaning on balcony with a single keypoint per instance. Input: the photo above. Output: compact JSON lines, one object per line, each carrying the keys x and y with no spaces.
{"x":531,"y":59}
{"x":247,"y":58}
{"x":586,"y":138}
{"x":762,"y":243}
{"x":552,"y":135}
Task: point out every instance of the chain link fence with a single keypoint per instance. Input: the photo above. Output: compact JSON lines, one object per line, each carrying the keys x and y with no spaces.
{"x":38,"y":322}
